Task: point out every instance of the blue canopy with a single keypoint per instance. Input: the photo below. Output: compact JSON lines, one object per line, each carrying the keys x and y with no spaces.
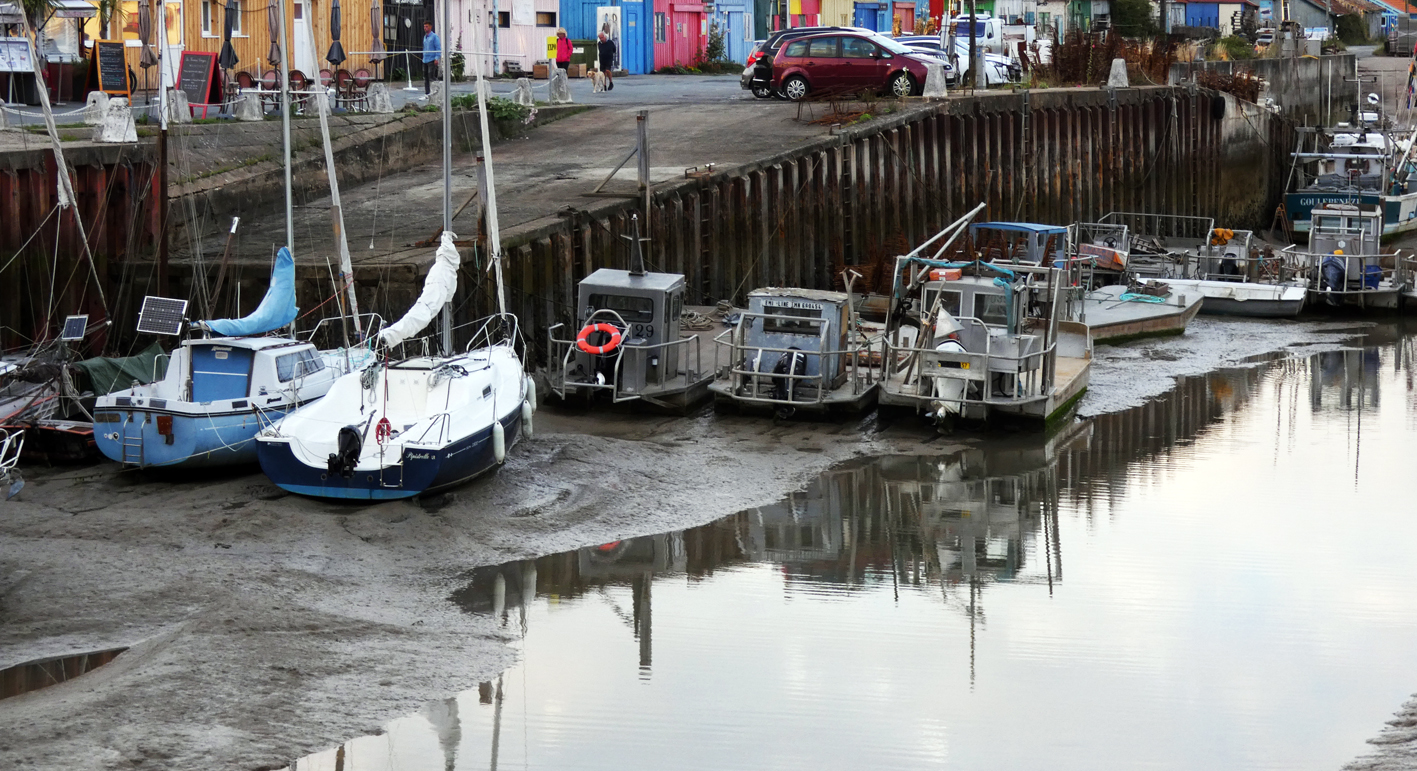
{"x":277,"y":308}
{"x":1020,"y":227}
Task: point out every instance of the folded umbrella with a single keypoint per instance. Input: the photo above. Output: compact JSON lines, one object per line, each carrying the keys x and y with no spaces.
{"x":336,"y":55}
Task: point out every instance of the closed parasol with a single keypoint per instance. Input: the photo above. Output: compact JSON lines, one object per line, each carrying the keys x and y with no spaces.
{"x":228,"y":59}
{"x":336,"y":55}
{"x":273,"y":23}
{"x":376,"y":22}
{"x":145,"y":33}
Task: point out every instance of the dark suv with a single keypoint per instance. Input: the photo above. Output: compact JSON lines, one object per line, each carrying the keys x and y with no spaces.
{"x":757,"y":71}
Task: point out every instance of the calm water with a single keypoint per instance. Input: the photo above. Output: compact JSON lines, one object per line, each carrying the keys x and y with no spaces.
{"x":1220,"y":579}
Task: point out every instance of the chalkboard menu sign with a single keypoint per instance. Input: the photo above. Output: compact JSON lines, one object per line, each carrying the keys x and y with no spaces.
{"x":108,"y":72}
{"x":197,"y":76}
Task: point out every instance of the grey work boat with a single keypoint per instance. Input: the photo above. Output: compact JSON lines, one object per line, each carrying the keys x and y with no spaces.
{"x":1116,"y":314}
{"x":629,"y":346}
{"x":1344,"y":265}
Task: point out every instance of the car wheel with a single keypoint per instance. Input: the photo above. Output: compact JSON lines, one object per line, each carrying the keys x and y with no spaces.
{"x":901,"y":85}
{"x":762,"y":92}
{"x":795,"y":88}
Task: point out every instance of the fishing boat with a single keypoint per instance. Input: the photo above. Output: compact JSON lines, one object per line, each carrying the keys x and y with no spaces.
{"x":1139,"y":244}
{"x":1236,"y":277}
{"x":988,"y":340}
{"x":795,"y":350}
{"x":415,"y":421}
{"x":630,"y":346}
{"x":1365,"y":161}
{"x":220,"y":386}
{"x":1343,"y":266}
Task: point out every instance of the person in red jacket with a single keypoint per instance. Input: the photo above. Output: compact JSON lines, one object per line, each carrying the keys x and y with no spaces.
{"x":563,"y":49}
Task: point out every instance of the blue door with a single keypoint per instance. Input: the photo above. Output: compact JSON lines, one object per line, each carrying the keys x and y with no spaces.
{"x":865,"y":16}
{"x":737,"y":47}
{"x":220,"y":372}
{"x":633,"y":39}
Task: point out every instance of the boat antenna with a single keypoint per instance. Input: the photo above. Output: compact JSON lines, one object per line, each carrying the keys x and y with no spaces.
{"x":637,"y":253}
{"x":447,"y":109}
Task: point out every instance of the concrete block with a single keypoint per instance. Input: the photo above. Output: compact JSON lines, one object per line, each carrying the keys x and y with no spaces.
{"x":4,"y":118}
{"x":560,"y":87}
{"x":435,"y":93}
{"x":248,"y":107}
{"x":523,"y":93}
{"x":117,"y":124}
{"x":1118,"y":77}
{"x":935,"y":81}
{"x":95,"y":107}
{"x":178,"y":109}
{"x":378,"y":99}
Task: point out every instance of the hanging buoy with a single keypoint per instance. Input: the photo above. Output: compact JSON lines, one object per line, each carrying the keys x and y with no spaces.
{"x":531,"y":392}
{"x":526,"y":419}
{"x":499,"y":442}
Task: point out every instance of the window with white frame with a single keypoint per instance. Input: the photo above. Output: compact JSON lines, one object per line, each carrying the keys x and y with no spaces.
{"x":214,"y":18}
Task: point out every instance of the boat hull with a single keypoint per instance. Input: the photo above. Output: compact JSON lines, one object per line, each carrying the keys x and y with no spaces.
{"x":1113,"y":320}
{"x":1238,"y":298}
{"x":1399,"y":211}
{"x":131,"y":436}
{"x":420,"y":470}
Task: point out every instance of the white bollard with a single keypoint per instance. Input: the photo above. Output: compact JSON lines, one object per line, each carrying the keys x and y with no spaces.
{"x":560,"y":87}
{"x":248,"y":107}
{"x":4,"y":117}
{"x":1118,"y":77}
{"x":935,"y":81}
{"x":94,"y":109}
{"x":523,"y":94}
{"x":378,"y":100}
{"x":117,"y":124}
{"x":178,"y":109}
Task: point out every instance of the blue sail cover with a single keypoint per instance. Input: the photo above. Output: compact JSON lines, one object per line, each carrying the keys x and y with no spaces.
{"x":277,"y":308}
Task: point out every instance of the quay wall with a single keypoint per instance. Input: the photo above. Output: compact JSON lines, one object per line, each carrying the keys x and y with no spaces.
{"x":1309,"y":90}
{"x":863,"y":194}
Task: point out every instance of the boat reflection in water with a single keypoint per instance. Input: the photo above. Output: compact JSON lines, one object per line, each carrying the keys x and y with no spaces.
{"x":845,"y":627}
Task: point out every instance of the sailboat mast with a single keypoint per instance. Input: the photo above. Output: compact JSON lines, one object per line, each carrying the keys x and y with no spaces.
{"x":346,"y":269}
{"x":285,"y":128}
{"x":494,"y":236}
{"x":447,"y":109}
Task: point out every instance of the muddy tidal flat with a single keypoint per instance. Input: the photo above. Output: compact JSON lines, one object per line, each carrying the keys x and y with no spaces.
{"x":1210,"y":568}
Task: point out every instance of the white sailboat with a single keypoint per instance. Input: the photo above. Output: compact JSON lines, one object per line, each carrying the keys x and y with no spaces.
{"x":407,"y":426}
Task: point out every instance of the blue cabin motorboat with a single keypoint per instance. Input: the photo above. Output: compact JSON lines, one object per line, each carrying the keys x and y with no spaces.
{"x":217,"y":392}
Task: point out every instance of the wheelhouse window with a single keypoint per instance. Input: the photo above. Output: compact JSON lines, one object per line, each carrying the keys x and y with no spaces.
{"x":634,"y":310}
{"x":793,"y":321}
{"x":950,"y":301}
{"x":991,"y":309}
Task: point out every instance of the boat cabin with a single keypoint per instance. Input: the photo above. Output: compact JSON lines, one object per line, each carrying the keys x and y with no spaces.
{"x":1020,"y":243}
{"x":793,"y":348}
{"x":627,"y":340}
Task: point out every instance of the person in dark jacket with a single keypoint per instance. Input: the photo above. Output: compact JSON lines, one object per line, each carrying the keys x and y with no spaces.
{"x":606,"y":53}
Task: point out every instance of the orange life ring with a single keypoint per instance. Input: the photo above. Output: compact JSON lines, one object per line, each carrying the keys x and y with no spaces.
{"x":383,"y":430}
{"x":609,"y":329}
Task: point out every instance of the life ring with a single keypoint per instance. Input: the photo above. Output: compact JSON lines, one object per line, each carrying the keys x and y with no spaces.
{"x":383,"y":430}
{"x":609,"y":329}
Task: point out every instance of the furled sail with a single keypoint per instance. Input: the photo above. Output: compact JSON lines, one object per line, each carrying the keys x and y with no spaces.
{"x":277,"y":308}
{"x":438,"y":290}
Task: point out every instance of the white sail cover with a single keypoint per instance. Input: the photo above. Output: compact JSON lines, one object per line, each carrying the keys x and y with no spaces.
{"x":438,"y":290}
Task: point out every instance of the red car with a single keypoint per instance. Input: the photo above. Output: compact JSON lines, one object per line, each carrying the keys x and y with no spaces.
{"x":843,"y":62}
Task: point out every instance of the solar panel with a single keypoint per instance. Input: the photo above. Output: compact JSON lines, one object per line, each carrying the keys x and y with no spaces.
{"x":162,"y":316}
{"x":74,"y":327}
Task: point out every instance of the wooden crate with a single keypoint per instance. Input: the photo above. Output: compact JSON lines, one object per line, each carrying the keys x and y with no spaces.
{"x":540,"y":71}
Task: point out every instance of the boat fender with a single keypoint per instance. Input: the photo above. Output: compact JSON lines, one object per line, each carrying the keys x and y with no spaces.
{"x":530,"y":392}
{"x":526,"y":419}
{"x":499,"y":442}
{"x":351,"y":443}
{"x":583,"y":339}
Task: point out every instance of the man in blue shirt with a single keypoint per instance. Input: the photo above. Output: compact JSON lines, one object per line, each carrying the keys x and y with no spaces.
{"x":432,"y":53}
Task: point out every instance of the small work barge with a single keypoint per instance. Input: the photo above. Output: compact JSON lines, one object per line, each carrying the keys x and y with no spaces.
{"x":795,"y":350}
{"x":1344,"y":266}
{"x":629,"y":347}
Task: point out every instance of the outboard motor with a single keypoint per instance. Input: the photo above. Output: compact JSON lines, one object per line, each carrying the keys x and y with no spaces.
{"x":1334,"y":273}
{"x":351,"y":443}
{"x":793,"y":362}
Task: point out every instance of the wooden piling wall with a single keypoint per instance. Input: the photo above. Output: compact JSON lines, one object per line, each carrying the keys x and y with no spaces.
{"x":1057,"y":156}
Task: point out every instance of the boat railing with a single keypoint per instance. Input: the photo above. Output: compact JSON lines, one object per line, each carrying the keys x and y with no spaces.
{"x":494,"y":330}
{"x":439,"y":425}
{"x":1405,"y":270}
{"x":803,"y":389}
{"x":563,"y":350}
{"x":1342,"y":274}
{"x":325,"y":331}
{"x":911,"y":370}
{"x":12,"y":441}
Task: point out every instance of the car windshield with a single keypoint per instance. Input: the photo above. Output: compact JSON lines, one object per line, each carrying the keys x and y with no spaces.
{"x":889,"y":45}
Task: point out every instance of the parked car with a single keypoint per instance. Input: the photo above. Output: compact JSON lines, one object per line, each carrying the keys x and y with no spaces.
{"x":998,"y":68}
{"x":757,"y":72}
{"x":1264,"y":40}
{"x":846,"y":62}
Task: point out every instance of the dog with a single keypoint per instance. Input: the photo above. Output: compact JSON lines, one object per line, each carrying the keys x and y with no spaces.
{"x":597,"y":81}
